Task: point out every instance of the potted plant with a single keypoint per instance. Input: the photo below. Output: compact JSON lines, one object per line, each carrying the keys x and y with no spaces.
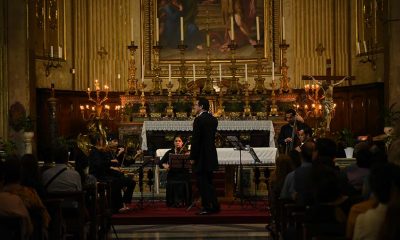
{"x":346,"y":137}
{"x":130,"y":110}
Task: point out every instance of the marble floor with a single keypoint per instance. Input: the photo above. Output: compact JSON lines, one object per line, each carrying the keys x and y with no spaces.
{"x":191,"y":231}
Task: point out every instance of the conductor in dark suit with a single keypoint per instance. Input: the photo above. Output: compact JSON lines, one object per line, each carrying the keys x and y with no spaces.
{"x":203,"y":155}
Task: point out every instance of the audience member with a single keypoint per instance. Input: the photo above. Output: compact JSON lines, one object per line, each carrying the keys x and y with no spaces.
{"x":61,"y":177}
{"x":30,"y":176}
{"x":30,"y":198}
{"x":368,"y":224}
{"x":11,"y":205}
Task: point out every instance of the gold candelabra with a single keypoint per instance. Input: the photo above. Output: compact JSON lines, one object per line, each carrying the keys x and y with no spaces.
{"x":182,"y":88}
{"x":246,"y":109}
{"x":157,"y":80}
{"x":142,"y":109}
{"x":220,"y":108}
{"x":259,"y":80}
{"x":284,"y":80}
{"x":170,"y":108}
{"x":97,"y":111}
{"x":234,"y":83}
{"x":208,"y":83}
{"x":132,"y":80}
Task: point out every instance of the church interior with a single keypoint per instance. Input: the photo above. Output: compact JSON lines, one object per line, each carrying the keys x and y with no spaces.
{"x":304,"y":92}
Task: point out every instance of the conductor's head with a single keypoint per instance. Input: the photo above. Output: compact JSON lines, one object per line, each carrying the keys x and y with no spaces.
{"x":290,"y":115}
{"x":201,"y":104}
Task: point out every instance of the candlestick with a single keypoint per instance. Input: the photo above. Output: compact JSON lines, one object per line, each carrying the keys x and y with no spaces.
{"x":220,"y":73}
{"x":208,"y":40}
{"x":51,"y":51}
{"x":273,"y":71}
{"x":59,"y":52}
{"x":232,"y":30}
{"x":132,"y":29}
{"x":358,"y":51}
{"x":283,"y":29}
{"x":194,"y":73}
{"x":157,"y":30}
{"x":245,"y":72}
{"x":258,"y":27}
{"x":169,"y":73}
{"x":365,"y":46}
{"x":143,"y":73}
{"x":181,"y":21}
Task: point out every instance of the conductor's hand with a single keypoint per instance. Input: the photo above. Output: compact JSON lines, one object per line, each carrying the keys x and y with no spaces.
{"x":120,"y":150}
{"x":165,"y":166}
{"x":287,"y":140}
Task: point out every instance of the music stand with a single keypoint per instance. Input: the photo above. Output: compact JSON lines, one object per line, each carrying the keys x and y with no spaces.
{"x":237,"y":145}
{"x":181,"y":162}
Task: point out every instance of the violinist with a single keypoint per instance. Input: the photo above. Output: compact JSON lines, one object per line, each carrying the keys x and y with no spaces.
{"x":177,"y":178}
{"x":100,"y":166}
{"x":288,"y":139}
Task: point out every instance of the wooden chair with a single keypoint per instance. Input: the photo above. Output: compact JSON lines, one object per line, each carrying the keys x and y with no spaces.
{"x":11,"y":227}
{"x":73,"y":211}
{"x":56,"y":226}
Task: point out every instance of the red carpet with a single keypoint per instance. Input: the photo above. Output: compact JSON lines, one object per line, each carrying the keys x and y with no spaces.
{"x":158,"y":213}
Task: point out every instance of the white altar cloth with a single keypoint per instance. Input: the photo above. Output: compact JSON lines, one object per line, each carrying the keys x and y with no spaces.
{"x":261,"y":125}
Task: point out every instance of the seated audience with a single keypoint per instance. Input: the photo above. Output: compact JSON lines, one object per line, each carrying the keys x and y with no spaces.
{"x":368,"y":224}
{"x":11,"y":205}
{"x":61,"y":177}
{"x":30,"y":176}
{"x":12,"y":177}
{"x":357,"y":173}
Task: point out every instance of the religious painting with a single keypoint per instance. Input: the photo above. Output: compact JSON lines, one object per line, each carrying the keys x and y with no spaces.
{"x":207,"y":27}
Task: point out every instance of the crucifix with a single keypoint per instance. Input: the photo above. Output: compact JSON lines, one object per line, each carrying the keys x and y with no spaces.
{"x":327,"y":83}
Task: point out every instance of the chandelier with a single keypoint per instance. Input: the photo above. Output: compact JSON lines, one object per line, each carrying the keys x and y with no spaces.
{"x":99,"y":110}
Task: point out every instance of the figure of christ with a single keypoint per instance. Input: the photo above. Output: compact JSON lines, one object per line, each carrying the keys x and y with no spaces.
{"x":327,"y":99}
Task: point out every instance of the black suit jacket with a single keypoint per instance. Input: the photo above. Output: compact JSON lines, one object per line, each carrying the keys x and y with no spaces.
{"x":203,"y":151}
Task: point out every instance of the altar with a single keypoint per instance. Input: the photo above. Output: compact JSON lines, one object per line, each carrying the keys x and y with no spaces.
{"x":264,"y":128}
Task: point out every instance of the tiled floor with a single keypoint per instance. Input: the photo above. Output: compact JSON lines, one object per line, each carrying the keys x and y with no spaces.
{"x":190,"y":231}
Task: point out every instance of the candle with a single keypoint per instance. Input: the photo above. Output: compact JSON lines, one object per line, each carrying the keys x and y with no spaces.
{"x":59,"y":52}
{"x":181,"y":21}
{"x":88,"y":89}
{"x":106,"y":88}
{"x":258,"y":27}
{"x":220,"y":73}
{"x":273,"y":71}
{"x":245,"y":72}
{"x":143,"y":73}
{"x":358,"y":51}
{"x":132,"y":29}
{"x":119,"y":76}
{"x":208,"y":40}
{"x":194,"y":73}
{"x":82,"y":107}
{"x":283,"y":28}
{"x":51,"y":51}
{"x":232,"y":30}
{"x":157,"y":30}
{"x":169,"y":73}
{"x":365,"y":46}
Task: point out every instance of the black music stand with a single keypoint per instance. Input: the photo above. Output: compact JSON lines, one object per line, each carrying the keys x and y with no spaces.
{"x":181,"y":162}
{"x":237,"y":145}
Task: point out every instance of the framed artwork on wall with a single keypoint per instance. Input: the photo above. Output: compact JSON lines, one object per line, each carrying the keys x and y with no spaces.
{"x":208,"y":23}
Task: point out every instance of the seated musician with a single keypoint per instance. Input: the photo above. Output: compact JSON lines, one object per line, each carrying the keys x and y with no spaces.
{"x":100,"y":166}
{"x":176,"y":195}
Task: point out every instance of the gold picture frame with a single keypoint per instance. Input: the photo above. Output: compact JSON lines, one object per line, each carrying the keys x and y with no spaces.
{"x":267,"y":10}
